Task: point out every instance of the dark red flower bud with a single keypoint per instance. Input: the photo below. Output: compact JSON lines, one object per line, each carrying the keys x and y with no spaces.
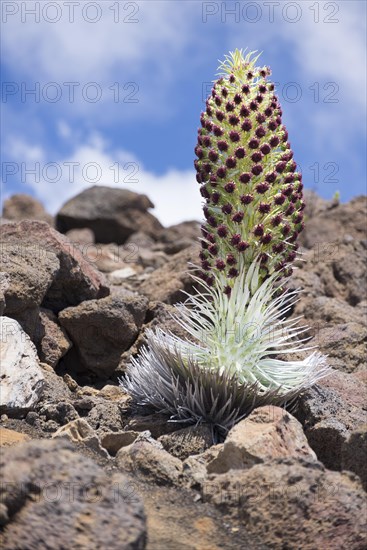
{"x":215,"y":198}
{"x":220,"y":116}
{"x":293,"y":238}
{"x":240,"y":152}
{"x":222,"y":145}
{"x":235,"y":239}
{"x":199,"y":152}
{"x":224,"y":92}
{"x":278,"y":248}
{"x":207,"y":167}
{"x":270,"y":178}
{"x":289,"y":211}
{"x":217,"y":131}
{"x":259,"y":230}
{"x":207,"y":141}
{"x":231,"y":162}
{"x":253,"y":143}
{"x":237,"y":99}
{"x":298,"y":217}
{"x":286,"y":229}
{"x":276,"y":220}
{"x":238,"y":217}
{"x":265,"y":149}
{"x":227,"y":209}
{"x":289,"y":178}
{"x":242,"y":246}
{"x":230,"y":106}
{"x":222,"y":231}
{"x":220,"y":265}
{"x":271,"y":86}
{"x":257,"y":169}
{"x":280,"y":166}
{"x":260,"y":117}
{"x":244,"y":112}
{"x":231,"y":260}
{"x":279,"y":199}
{"x":256,"y":157}
{"x":288,"y":190}
{"x":245,"y":89}
{"x":213,"y":249}
{"x":234,"y":136}
{"x":204,"y":192}
{"x":221,"y":172}
{"x":232,"y":78}
{"x":264,"y":208}
{"x":268,"y":111}
{"x":246,"y":199}
{"x":262,"y":187}
{"x":274,"y":141}
{"x":259,"y":98}
{"x":272,"y":125}
{"x":246,"y":125}
{"x":227,"y":290}
{"x":265,"y":239}
{"x":205,"y":265}
{"x":253,"y":106}
{"x":218,"y":101}
{"x":209,"y":111}
{"x":212,"y":222}
{"x":260,"y":132}
{"x":262,"y":88}
{"x":233,"y":120}
{"x":233,"y":272}
{"x":291,"y":256}
{"x":245,"y":177}
{"x":230,"y":187}
{"x":213,"y":155}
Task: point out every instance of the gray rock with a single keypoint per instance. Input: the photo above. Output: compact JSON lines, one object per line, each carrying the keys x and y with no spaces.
{"x":55,"y":496}
{"x":102,"y":330}
{"x":21,"y":381}
{"x":80,"y":431}
{"x":4,"y":285}
{"x":112,"y":214}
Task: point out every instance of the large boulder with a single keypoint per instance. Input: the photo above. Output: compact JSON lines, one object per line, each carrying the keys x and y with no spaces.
{"x":74,"y":281}
{"x":112,"y":214}
{"x":22,"y":380}
{"x":102,"y":330}
{"x":292,"y":503}
{"x":55,"y":498}
{"x":24,"y":207}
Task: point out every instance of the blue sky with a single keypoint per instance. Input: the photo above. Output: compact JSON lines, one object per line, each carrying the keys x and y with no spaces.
{"x":119,"y":87}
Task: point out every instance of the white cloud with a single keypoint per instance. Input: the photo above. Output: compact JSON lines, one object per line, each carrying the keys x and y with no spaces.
{"x":175,"y":193}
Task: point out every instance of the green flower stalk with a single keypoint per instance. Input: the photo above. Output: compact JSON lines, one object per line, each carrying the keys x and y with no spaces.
{"x":237,"y":323}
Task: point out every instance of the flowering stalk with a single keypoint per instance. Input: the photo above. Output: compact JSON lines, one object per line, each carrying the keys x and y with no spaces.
{"x":237,"y":322}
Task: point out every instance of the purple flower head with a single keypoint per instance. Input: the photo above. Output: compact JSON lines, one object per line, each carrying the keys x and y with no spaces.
{"x":257,"y":169}
{"x":277,"y":248}
{"x":274,"y":141}
{"x":231,"y":260}
{"x":231,"y":162}
{"x":280,"y":167}
{"x":244,"y":112}
{"x":259,"y":230}
{"x":227,"y":290}
{"x":260,"y":118}
{"x":220,"y":265}
{"x":230,"y":106}
{"x":233,"y":272}
{"x":246,"y":125}
{"x":230,"y":187}
{"x":240,"y":152}
{"x":222,"y":145}
{"x":224,"y":92}
{"x":222,"y":230}
{"x":221,"y":172}
{"x":215,"y":198}
{"x":253,"y":143}
{"x":253,"y":106}
{"x":245,"y":177}
{"x":237,"y":99}
{"x":260,"y":132}
{"x":256,"y":157}
{"x":246,"y":89}
{"x":270,"y":178}
{"x":213,"y":249}
{"x":246,"y":199}
{"x":218,"y":101}
{"x":242,"y":246}
{"x":276,"y":220}
{"x":227,"y":209}
{"x":265,"y":239}
{"x":235,"y":239}
{"x":262,"y":187}
{"x":265,"y":149}
{"x":234,"y":136}
{"x":207,"y":141}
{"x":264,"y":208}
{"x":213,"y":155}
{"x":220,"y":116}
{"x":238,"y":217}
{"x":279,"y":199}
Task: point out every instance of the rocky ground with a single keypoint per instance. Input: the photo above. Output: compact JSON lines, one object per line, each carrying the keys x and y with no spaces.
{"x":81,"y":469}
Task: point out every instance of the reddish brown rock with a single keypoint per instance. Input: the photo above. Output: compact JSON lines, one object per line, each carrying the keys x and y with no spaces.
{"x":24,"y":207}
{"x":290,"y":503}
{"x":269,"y":432}
{"x":75,"y":281}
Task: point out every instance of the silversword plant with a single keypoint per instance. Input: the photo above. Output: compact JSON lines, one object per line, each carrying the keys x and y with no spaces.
{"x":236,"y":323}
